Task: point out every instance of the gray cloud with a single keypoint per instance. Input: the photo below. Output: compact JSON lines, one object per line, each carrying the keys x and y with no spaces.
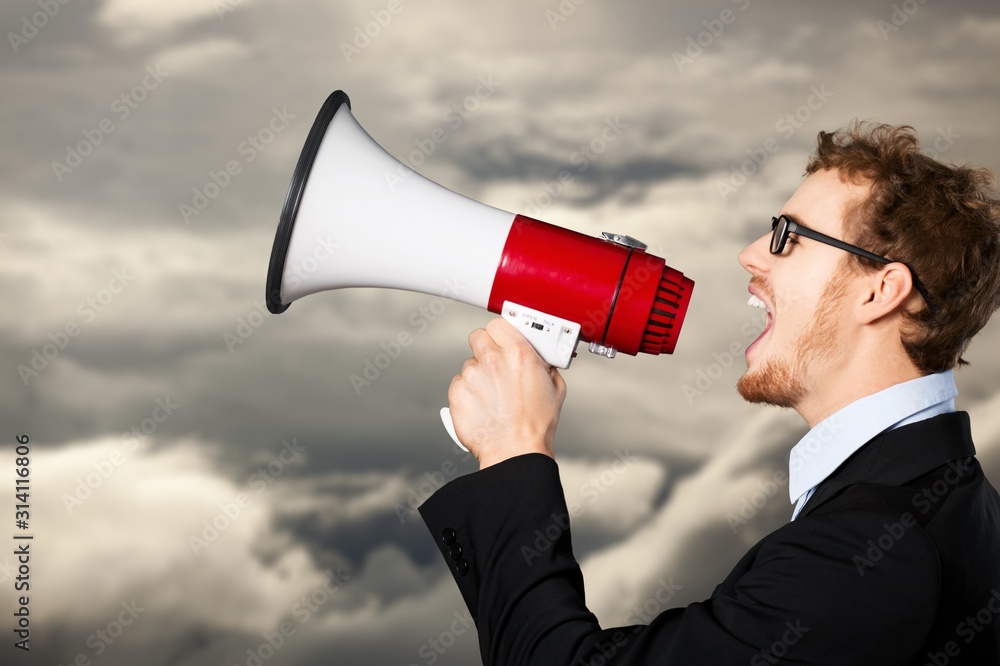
{"x":162,"y":337}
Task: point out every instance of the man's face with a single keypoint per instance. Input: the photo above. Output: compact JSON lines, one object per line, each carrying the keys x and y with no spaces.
{"x":804,"y":291}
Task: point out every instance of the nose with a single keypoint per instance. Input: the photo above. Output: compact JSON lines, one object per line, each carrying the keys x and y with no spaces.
{"x":756,"y":257}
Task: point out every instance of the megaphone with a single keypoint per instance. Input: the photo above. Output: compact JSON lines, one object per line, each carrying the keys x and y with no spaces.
{"x":355,"y":216}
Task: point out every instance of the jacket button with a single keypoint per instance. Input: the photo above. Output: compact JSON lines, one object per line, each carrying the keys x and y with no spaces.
{"x":448,"y":536}
{"x":456,"y":552}
{"x":462,"y":567}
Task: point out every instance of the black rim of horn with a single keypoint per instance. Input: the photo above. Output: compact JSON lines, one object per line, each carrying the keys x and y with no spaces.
{"x":295,"y":189}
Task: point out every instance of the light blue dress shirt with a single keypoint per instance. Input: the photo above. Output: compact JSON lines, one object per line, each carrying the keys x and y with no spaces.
{"x":834,"y":439}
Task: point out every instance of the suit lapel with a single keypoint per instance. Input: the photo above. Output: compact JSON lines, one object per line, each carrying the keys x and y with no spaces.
{"x":898,"y":456}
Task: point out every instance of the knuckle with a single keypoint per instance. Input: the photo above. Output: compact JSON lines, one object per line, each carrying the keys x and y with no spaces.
{"x":489,"y":357}
{"x":522,"y":352}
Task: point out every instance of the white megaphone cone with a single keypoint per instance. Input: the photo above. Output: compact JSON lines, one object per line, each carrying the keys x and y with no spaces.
{"x":354,"y":216}
{"x":388,"y":226}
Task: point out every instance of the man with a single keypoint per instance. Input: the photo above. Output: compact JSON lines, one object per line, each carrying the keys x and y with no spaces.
{"x":877,"y":273}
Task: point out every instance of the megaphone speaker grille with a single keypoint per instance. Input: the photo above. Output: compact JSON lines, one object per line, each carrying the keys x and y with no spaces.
{"x":667,"y":314}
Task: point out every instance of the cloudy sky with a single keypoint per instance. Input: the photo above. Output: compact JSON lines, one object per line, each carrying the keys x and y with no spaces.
{"x":161,"y":401}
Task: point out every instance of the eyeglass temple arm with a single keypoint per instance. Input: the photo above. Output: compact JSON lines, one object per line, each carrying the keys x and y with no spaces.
{"x":794,"y":228}
{"x":847,"y":247}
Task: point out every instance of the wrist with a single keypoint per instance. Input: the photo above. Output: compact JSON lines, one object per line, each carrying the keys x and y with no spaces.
{"x":488,"y":459}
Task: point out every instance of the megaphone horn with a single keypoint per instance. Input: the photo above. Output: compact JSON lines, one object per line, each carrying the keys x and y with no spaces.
{"x":354,"y":216}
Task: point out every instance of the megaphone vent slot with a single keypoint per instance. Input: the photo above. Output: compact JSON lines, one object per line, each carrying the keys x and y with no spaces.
{"x":672,"y":297}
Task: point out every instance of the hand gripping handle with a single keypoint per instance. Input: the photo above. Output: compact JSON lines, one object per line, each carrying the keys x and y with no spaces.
{"x":554,"y":339}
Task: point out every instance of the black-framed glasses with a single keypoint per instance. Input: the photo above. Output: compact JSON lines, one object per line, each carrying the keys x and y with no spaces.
{"x":783,"y":225}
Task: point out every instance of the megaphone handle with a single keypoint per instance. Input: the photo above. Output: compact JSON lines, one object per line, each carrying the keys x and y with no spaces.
{"x":554,"y":338}
{"x":449,"y":425}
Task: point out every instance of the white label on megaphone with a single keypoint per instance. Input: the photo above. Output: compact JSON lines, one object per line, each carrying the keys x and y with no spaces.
{"x":552,"y":337}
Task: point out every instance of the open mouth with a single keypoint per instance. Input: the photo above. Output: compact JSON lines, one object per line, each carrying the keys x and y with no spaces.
{"x":757,"y":302}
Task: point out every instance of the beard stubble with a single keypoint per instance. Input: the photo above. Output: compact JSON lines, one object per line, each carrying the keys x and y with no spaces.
{"x":785,"y":383}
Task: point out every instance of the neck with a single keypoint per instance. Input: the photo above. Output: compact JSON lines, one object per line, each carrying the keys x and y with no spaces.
{"x":869,"y":369}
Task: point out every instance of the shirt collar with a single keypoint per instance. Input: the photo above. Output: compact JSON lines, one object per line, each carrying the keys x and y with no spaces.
{"x":833,"y":440}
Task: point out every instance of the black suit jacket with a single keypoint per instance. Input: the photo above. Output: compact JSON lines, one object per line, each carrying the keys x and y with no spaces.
{"x":895,"y":559}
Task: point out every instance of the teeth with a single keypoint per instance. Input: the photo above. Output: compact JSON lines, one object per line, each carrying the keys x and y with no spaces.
{"x":756,"y":302}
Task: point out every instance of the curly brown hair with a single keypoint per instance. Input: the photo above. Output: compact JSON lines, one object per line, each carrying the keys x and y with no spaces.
{"x":938,"y":219}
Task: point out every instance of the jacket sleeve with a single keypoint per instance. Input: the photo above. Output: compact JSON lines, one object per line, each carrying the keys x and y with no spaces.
{"x":805,"y":598}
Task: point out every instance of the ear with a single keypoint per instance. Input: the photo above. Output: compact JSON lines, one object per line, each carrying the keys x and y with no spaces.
{"x":885,"y":291}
